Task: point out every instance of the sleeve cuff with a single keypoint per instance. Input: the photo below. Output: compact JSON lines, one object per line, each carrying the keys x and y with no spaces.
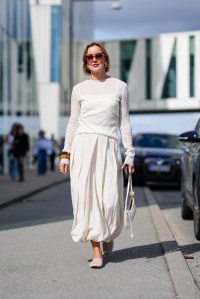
{"x":64,"y":161}
{"x":129,"y":161}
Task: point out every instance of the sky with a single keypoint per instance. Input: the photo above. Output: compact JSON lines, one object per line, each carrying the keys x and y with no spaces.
{"x":144,"y":18}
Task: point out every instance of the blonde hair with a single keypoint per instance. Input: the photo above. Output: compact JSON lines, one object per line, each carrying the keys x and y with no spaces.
{"x":86,"y":71}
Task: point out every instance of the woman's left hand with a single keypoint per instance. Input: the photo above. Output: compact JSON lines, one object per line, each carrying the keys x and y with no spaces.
{"x":129,"y":169}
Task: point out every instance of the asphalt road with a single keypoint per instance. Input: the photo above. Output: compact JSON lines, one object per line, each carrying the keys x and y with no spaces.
{"x":53,"y":204}
{"x":39,"y":259}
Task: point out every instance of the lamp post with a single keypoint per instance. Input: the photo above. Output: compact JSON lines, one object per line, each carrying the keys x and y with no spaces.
{"x":115,"y":6}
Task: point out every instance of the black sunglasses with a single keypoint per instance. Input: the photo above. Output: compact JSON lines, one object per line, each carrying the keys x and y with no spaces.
{"x":90,"y":57}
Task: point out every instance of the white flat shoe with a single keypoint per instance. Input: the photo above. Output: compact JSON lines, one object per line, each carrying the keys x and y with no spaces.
{"x":96,"y":263}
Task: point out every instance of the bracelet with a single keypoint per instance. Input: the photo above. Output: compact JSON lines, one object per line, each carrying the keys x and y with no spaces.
{"x":64,"y":155}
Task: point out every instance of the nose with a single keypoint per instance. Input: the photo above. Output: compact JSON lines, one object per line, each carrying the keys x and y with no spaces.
{"x":94,"y":58}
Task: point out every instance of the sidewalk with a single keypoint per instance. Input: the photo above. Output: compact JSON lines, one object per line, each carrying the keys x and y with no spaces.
{"x":153,"y":244}
{"x":41,"y":261}
{"x":11,"y":191}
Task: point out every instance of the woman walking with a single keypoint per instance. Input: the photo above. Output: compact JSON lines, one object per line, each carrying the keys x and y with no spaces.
{"x":99,"y":109}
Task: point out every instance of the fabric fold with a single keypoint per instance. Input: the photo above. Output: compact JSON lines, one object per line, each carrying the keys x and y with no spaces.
{"x":96,"y":188}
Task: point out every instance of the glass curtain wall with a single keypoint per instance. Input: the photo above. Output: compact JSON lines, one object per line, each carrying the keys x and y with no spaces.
{"x":169,"y":89}
{"x":148,"y":69}
{"x":192,"y":63}
{"x":18,"y":97}
{"x":55,"y":43}
{"x":126,"y":56}
{"x":17,"y":74}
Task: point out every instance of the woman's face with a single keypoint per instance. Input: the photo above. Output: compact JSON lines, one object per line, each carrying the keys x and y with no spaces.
{"x":95,"y":59}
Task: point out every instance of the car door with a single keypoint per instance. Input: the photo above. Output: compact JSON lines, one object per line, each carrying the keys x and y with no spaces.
{"x":197,"y":154}
{"x":187,"y":169}
{"x":193,"y":158}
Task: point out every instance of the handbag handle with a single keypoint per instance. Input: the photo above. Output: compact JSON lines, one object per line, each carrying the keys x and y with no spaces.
{"x":129,"y":189}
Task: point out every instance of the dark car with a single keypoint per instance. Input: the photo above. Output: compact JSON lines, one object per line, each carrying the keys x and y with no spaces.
{"x":190,"y":183}
{"x":157,"y":158}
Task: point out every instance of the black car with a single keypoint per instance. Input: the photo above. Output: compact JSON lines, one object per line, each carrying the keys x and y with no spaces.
{"x":157,"y":158}
{"x":190,"y":183}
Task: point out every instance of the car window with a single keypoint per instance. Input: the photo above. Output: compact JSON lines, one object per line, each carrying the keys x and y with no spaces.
{"x":157,"y":141}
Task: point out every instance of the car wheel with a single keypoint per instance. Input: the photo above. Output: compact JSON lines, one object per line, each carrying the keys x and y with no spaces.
{"x":196,"y":211}
{"x":186,"y":212}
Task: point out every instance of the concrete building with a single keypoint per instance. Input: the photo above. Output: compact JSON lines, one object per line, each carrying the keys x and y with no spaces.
{"x":41,"y":46}
{"x":34,"y":35}
{"x":162,"y":72}
{"x":18,"y":90}
{"x":50,"y":20}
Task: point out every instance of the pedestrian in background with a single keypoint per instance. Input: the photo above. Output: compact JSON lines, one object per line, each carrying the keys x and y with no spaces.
{"x":21,"y":148}
{"x":42,"y":151}
{"x":12,"y":161}
{"x":99,"y":107}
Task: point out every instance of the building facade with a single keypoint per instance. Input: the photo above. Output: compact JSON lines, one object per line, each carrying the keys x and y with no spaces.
{"x":18,"y":91}
{"x":46,"y":33}
{"x":77,"y":20}
{"x":41,"y":46}
{"x":35,"y":82}
{"x":56,"y":25}
{"x":162,"y":72}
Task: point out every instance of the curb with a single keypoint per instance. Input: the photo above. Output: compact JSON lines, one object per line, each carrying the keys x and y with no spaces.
{"x":184,"y":283}
{"x":36,"y":190}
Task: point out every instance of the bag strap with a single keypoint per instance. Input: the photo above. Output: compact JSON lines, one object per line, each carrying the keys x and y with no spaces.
{"x":129,"y":188}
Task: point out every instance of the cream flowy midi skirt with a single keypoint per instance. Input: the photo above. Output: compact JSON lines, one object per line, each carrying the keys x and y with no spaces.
{"x":96,"y":188}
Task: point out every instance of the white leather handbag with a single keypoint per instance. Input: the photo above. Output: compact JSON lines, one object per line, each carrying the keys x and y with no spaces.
{"x":130,"y":207}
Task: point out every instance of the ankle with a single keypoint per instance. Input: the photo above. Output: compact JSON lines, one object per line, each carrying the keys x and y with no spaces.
{"x":97,"y":253}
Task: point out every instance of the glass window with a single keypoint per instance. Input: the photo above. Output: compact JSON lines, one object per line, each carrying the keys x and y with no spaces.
{"x":8,"y":16}
{"x":126,"y":55}
{"x":55,"y":43}
{"x":1,"y":76}
{"x":9,"y":77}
{"x":192,"y":58}
{"x":15,"y":24}
{"x":157,"y":140}
{"x":169,"y":89}
{"x":28,"y":59}
{"x":148,"y":69}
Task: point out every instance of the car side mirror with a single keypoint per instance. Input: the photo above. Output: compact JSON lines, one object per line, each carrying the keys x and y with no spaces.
{"x":190,"y":136}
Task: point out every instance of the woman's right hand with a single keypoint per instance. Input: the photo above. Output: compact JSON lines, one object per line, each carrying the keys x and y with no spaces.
{"x":64,"y":168}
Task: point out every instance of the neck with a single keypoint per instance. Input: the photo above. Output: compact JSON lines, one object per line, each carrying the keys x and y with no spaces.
{"x":99,"y":76}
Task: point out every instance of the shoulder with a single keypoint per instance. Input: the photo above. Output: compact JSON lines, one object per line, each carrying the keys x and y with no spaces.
{"x":77,"y":89}
{"x":80,"y":84}
{"x":121,"y":84}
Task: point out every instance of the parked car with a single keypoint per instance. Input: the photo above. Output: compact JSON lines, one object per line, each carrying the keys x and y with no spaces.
{"x":157,"y":158}
{"x":190,"y":183}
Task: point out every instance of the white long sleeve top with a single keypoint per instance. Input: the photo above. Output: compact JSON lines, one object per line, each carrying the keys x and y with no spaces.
{"x":101,"y":107}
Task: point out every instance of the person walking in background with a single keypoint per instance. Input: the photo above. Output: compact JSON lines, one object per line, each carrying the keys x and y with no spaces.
{"x":12,"y":161}
{"x":42,"y":150}
{"x":99,"y":107}
{"x":20,"y":148}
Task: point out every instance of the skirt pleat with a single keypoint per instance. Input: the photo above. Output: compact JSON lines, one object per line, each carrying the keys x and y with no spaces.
{"x":96,"y":188}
